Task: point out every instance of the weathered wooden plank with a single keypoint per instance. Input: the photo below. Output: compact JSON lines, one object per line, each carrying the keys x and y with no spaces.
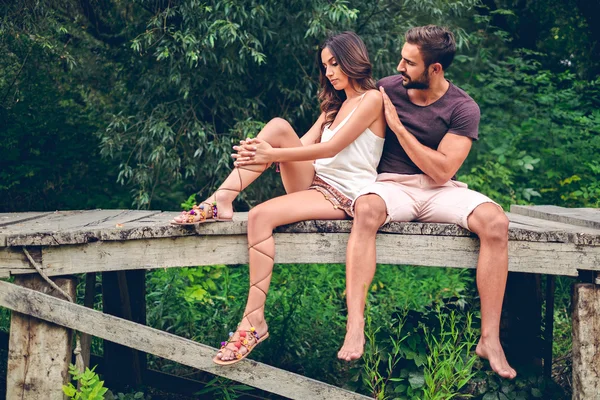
{"x":39,"y":352}
{"x":586,"y":342}
{"x":88,"y":301}
{"x":534,"y":229}
{"x":11,"y":222}
{"x":587,"y":217}
{"x":14,"y":260}
{"x":15,"y":218}
{"x":69,"y":228}
{"x":440,"y":251}
{"x":157,"y":226}
{"x":165,"y":345}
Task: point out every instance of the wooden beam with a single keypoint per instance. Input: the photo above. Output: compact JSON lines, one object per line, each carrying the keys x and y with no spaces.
{"x":586,"y":341}
{"x":166,"y":345}
{"x":549,"y":325}
{"x":70,"y":227}
{"x":439,"y":251}
{"x":14,"y":261}
{"x":520,"y":326}
{"x":124,"y":296}
{"x":584,"y":217}
{"x":39,"y":352}
{"x":88,"y":301}
{"x":19,"y":218}
{"x":66,"y":228}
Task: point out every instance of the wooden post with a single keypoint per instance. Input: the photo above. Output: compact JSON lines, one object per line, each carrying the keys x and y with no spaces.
{"x":586,"y":341}
{"x":521,"y":322}
{"x":39,"y":352}
{"x":549,"y":325}
{"x":88,"y":301}
{"x":124,"y":295}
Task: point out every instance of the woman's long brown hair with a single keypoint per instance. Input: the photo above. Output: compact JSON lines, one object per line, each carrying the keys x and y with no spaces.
{"x":351,"y":54}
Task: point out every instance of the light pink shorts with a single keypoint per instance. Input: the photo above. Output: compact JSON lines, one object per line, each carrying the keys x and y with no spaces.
{"x":419,"y":198}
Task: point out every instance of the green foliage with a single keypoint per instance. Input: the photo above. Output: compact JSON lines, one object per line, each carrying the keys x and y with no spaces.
{"x":306,"y":316}
{"x":127,"y":396}
{"x":224,"y":389}
{"x":50,"y":108}
{"x":451,"y":356}
{"x":420,"y":354}
{"x":92,"y":388}
{"x":539,"y":130}
{"x":219,"y":70}
{"x":524,"y":387}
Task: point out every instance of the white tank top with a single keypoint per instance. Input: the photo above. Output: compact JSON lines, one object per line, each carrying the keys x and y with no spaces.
{"x":355,"y":166}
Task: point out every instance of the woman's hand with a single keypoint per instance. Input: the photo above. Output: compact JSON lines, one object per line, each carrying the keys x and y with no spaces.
{"x":253,"y":151}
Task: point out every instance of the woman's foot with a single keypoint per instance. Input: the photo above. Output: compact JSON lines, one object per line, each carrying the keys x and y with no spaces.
{"x":242,"y":341}
{"x":223,"y":200}
{"x":218,"y":207}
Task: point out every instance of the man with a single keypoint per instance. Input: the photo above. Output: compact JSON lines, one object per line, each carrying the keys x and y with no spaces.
{"x":431,"y":126}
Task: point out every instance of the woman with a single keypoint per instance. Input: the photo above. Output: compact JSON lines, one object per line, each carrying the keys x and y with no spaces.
{"x":346,"y":141}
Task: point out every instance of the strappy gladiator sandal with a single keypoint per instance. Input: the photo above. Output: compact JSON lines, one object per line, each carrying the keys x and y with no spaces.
{"x":199,"y":214}
{"x":246,"y":338}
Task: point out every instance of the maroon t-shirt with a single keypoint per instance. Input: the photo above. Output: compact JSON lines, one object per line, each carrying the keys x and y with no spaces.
{"x":455,"y":112}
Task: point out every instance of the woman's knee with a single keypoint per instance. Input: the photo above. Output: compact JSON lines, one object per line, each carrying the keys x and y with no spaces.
{"x":370,"y":212}
{"x":257,"y":215}
{"x":279,"y":125}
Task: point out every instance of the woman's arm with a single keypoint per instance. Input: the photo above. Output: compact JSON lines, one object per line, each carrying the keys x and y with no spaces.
{"x":368,"y":111}
{"x":314,"y":133}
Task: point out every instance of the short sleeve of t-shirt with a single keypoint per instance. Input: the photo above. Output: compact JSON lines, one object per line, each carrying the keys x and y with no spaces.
{"x":465,"y":120}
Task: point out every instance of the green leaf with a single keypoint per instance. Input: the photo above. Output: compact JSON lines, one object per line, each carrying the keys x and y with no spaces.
{"x":416,"y":380}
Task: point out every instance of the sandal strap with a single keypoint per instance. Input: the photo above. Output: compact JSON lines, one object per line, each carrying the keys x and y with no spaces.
{"x":215,"y":206}
{"x":255,"y":284}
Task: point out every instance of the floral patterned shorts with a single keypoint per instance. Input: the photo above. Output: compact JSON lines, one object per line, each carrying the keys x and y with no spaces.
{"x":334,"y":196}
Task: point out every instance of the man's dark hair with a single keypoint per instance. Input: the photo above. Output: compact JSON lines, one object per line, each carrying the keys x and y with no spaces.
{"x":436,"y":44}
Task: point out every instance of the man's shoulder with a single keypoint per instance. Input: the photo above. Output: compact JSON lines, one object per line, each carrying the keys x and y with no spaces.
{"x":461,"y":97}
{"x":391,"y":81}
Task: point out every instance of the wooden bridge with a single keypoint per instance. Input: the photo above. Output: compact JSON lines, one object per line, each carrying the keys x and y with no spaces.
{"x":542,"y":239}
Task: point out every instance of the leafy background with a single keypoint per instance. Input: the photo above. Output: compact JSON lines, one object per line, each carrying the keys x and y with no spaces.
{"x":135,"y":104}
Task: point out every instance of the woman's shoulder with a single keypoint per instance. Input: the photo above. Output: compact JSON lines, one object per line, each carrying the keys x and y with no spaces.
{"x":373,"y":98}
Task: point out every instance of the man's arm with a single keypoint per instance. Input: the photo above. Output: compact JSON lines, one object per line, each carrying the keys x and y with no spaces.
{"x":441,"y":164}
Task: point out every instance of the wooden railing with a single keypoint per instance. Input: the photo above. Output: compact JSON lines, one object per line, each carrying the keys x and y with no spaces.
{"x":542,"y":239}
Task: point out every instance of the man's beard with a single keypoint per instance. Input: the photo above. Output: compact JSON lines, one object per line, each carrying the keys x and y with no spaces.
{"x":422,"y":82}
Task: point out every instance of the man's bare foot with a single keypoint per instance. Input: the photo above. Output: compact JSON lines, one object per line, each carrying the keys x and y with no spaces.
{"x":354,"y":344}
{"x":492,"y":351}
{"x":227,"y":354}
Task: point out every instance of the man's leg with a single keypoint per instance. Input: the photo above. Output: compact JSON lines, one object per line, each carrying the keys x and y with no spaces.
{"x":369,"y":214}
{"x":490,"y":223}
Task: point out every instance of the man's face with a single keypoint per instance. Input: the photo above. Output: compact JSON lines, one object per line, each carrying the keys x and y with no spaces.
{"x":412,"y":68}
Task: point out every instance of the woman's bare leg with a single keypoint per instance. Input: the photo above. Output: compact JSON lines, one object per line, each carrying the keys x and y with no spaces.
{"x":295,"y":175}
{"x":262,"y":219}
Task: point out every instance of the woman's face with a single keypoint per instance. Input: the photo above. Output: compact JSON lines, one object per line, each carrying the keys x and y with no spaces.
{"x":333,"y":72}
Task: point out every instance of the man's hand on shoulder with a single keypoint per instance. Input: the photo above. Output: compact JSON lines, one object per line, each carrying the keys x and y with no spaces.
{"x":391,"y":116}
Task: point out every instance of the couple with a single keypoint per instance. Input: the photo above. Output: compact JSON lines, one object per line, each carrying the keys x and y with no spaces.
{"x":334,"y":171}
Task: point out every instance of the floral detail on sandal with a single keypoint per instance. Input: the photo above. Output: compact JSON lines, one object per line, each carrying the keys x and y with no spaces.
{"x":247,"y":338}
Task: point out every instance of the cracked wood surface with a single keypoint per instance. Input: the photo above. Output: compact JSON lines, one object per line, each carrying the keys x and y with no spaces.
{"x":39,"y":352}
{"x":586,"y":342}
{"x":77,"y":227}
